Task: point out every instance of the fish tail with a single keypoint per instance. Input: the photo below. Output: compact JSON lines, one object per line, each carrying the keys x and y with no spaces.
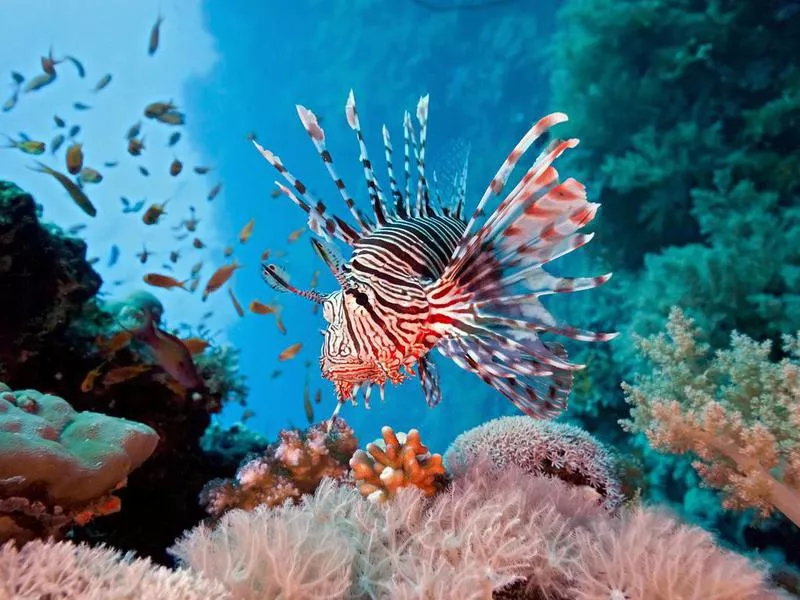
{"x":12,"y":143}
{"x":40,"y":167}
{"x":486,"y":309}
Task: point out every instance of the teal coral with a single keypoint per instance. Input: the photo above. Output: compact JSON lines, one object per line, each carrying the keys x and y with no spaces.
{"x":59,"y":466}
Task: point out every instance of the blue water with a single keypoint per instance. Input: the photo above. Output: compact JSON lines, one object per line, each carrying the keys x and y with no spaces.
{"x":240,"y":67}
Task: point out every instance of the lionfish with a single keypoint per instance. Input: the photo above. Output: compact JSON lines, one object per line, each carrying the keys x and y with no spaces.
{"x":422,"y":276}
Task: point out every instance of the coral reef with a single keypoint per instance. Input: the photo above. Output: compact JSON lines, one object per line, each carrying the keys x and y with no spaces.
{"x":539,"y":448}
{"x":287,"y":470}
{"x":226,"y":448}
{"x":396,"y":461}
{"x":49,"y":267}
{"x":491,"y":534}
{"x":66,"y":571}
{"x":59,"y":466}
{"x":738,"y":412}
{"x":83,"y":354}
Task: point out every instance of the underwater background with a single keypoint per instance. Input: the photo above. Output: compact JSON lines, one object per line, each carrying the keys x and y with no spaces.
{"x":688,"y":113}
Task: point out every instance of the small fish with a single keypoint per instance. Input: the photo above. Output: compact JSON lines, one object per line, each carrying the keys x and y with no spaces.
{"x":113,"y":256}
{"x":170,"y":354}
{"x":155,"y":35}
{"x":195,"y":345}
{"x":194,"y":285}
{"x":314,"y":279}
{"x":175,"y":167}
{"x":247,"y":231}
{"x":17,"y":77}
{"x":133,"y":130}
{"x":156,"y":109}
{"x":121,"y":374}
{"x":214,"y":191}
{"x":135,"y":146}
{"x":173,"y":139}
{"x":111,"y":164}
{"x":153,"y":213}
{"x":318,"y":397}
{"x":247,"y":415}
{"x":228,"y":251}
{"x":136,"y":207}
{"x":174,"y":256}
{"x":87,"y":385}
{"x":74,"y":130}
{"x":202,"y":170}
{"x":49,"y":63}
{"x":276,"y":373}
{"x":75,"y":158}
{"x":80,"y":106}
{"x":181,"y":237}
{"x":26,"y":146}
{"x":163,"y":281}
{"x":275,"y":193}
{"x":104,"y":81}
{"x":260,"y":308}
{"x":59,"y":121}
{"x":73,"y":190}
{"x":167,"y":266}
{"x":143,"y":255}
{"x":144,"y":171}
{"x":290,"y":352}
{"x":11,"y":102}
{"x":207,"y":315}
{"x":220,"y":278}
{"x":75,"y":229}
{"x":196,"y":269}
{"x":39,"y":82}
{"x":309,"y":408}
{"x":78,"y":65}
{"x":265,"y":255}
{"x":90,"y":175}
{"x":198,"y":243}
{"x":295,"y":235}
{"x":236,"y":305}
{"x":279,"y":323}
{"x":172,"y":117}
{"x":115,"y":343}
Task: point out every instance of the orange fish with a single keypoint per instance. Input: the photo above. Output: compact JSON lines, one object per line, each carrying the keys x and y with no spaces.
{"x":115,"y":343}
{"x":309,"y":408}
{"x":265,"y":254}
{"x":220,"y":277}
{"x":120,"y":374}
{"x":236,"y":305}
{"x":175,"y":168}
{"x":295,"y":235}
{"x":88,"y":382}
{"x":75,"y":158}
{"x":260,"y":308}
{"x":195,"y":345}
{"x":279,"y":323}
{"x":170,"y":353}
{"x":318,"y":397}
{"x":163,"y":281}
{"x":135,"y":146}
{"x":290,"y":352}
{"x":247,"y":231}
{"x":153,"y":213}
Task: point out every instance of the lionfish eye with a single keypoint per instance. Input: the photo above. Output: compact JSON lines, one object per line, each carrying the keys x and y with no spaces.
{"x":361,"y":298}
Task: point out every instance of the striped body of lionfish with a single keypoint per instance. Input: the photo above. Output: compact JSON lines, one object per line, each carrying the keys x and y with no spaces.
{"x":422,"y":276}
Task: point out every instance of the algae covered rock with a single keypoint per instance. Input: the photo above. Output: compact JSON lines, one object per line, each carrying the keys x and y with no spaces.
{"x":59,"y":466}
{"x":44,"y":279}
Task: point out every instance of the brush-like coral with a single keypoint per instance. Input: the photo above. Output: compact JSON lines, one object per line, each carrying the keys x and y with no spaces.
{"x":66,"y":571}
{"x":738,"y":412}
{"x":59,"y":466}
{"x":287,"y":470}
{"x":539,"y":448}
{"x":397,"y":460}
{"x":491,"y":534}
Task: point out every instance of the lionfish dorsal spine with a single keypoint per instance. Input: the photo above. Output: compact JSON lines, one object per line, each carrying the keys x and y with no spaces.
{"x":397,"y":195}
{"x":317,"y":135}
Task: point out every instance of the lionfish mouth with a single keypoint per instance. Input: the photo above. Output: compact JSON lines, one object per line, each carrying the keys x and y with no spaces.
{"x":347,"y":375}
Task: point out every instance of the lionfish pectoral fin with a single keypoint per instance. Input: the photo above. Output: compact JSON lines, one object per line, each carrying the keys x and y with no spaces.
{"x":429,"y":380}
{"x":278,"y":279}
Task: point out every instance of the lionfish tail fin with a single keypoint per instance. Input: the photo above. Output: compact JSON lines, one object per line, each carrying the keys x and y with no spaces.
{"x":486,"y":306}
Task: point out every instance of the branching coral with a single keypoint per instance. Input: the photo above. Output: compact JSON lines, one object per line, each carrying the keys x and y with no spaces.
{"x":396,"y":461}
{"x":286,"y":471}
{"x":738,"y":412}
{"x":539,"y":448}
{"x":58,"y":466}
{"x":66,"y":571}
